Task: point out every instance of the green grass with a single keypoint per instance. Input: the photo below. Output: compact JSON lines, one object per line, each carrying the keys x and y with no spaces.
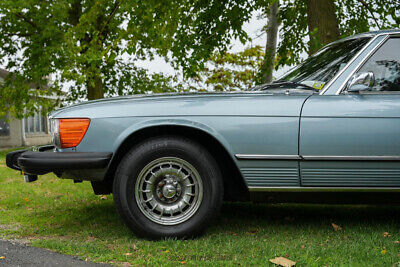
{"x":68,"y":218}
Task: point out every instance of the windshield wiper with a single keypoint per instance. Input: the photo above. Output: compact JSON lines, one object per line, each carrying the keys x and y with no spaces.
{"x":285,"y":84}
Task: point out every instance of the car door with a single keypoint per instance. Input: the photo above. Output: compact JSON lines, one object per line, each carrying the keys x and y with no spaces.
{"x":353,"y":139}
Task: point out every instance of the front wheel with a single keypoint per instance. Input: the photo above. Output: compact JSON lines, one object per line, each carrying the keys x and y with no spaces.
{"x":168,"y":187}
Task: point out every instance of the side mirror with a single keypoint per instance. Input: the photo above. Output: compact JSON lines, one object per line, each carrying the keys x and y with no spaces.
{"x":361,"y":82}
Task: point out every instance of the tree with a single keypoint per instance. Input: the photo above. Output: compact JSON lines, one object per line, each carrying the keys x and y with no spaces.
{"x":92,"y":45}
{"x":268,"y":65}
{"x":227,"y":71}
{"x":79,"y":41}
{"x":307,"y":25}
{"x":299,"y":35}
{"x":209,"y":27}
{"x":323,"y":25}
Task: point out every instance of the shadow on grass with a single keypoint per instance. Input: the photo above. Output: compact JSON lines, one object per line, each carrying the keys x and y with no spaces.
{"x":290,"y":217}
{"x":101,"y":219}
{"x":309,"y":212}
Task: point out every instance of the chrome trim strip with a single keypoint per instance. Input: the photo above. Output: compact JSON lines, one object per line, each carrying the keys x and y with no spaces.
{"x":353,"y":158}
{"x":316,"y":157}
{"x":322,"y":189}
{"x":271,"y":157}
{"x":328,"y":85}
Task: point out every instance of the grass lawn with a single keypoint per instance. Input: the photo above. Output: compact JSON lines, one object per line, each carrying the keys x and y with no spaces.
{"x":68,"y":218}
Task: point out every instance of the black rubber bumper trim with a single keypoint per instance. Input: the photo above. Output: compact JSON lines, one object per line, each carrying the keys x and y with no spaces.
{"x":50,"y":161}
{"x":12,"y":157}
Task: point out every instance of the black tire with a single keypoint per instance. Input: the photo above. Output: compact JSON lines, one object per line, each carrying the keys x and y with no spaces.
{"x":135,"y":163}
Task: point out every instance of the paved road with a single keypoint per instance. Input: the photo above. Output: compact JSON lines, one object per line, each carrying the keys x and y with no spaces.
{"x":21,"y":255}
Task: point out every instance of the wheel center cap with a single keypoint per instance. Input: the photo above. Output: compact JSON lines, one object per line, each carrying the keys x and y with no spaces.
{"x":169,"y":191}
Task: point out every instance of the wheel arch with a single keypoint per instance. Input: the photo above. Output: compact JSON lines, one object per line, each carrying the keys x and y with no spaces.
{"x":234,"y":184}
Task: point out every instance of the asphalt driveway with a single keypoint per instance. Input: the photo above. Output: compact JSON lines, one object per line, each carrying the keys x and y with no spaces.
{"x":14,"y":254}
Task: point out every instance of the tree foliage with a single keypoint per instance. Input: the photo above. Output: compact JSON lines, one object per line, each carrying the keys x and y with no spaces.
{"x":299,"y":34}
{"x":354,"y":16}
{"x":92,"y":45}
{"x":208,"y":27}
{"x":80,"y":42}
{"x":228,"y":71}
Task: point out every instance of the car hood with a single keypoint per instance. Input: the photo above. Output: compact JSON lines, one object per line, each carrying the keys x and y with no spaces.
{"x":172,"y":103}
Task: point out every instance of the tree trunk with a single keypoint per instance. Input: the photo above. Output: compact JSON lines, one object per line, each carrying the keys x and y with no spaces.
{"x":321,"y":19}
{"x":95,"y":89}
{"x":268,"y":65}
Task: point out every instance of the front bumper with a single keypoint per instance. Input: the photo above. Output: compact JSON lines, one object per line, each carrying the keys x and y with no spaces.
{"x":46,"y":160}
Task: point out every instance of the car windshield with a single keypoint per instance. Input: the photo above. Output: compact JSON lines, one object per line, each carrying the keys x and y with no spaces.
{"x":316,"y":71}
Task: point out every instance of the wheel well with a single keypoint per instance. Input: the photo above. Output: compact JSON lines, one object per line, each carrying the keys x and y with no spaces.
{"x":234,"y":186}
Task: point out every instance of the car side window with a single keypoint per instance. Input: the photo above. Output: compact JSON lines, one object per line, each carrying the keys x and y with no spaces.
{"x":385,"y":64}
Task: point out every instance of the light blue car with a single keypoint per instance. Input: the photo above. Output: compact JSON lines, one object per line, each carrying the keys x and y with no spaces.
{"x":328,"y":131}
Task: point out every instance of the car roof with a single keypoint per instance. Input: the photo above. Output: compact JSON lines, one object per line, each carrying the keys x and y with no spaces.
{"x":383,"y":31}
{"x":367,"y":34}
